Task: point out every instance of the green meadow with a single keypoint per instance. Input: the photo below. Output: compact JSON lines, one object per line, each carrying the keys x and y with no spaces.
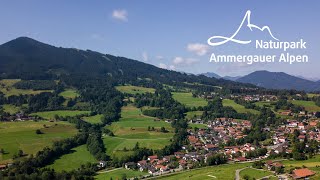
{"x":119,"y":174}
{"x":188,"y":100}
{"x":62,"y":113}
{"x":239,"y":108}
{"x":309,"y":105}
{"x":132,"y":128}
{"x":69,"y":94}
{"x":254,"y":173}
{"x":264,"y":103}
{"x":134,"y":89}
{"x":192,"y":114}
{"x":6,"y":86}
{"x":96,"y":119}
{"x":22,"y":135}
{"x":225,"y":172}
{"x":77,"y":157}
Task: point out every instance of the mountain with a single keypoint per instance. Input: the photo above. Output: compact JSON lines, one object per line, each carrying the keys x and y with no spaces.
{"x":211,"y":74}
{"x":279,"y":80}
{"x":27,"y":58}
{"x":231,"y":78}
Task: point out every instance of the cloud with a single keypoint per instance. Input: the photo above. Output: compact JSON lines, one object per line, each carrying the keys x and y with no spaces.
{"x":145,"y":57}
{"x":164,"y":66}
{"x":120,"y":14}
{"x":199,"y":49}
{"x":184,"y":61}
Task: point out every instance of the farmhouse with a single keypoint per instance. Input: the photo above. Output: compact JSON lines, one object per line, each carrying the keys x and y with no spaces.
{"x":302,"y":173}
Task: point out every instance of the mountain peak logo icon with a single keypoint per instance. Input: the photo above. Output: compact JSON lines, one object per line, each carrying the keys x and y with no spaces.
{"x":232,"y":38}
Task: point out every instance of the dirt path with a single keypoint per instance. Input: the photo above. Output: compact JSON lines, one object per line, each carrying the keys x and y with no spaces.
{"x":238,"y":173}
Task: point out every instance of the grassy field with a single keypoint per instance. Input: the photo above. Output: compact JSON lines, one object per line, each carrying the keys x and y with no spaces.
{"x":239,"y":108}
{"x":254,"y":173}
{"x":313,"y":164}
{"x":133,"y":128}
{"x":78,"y":156}
{"x":310,"y":95}
{"x":21,"y":135}
{"x":63,"y":113}
{"x":309,"y":105}
{"x":69,"y":94}
{"x":264,"y":103}
{"x":6,"y":86}
{"x":201,"y":126}
{"x":225,"y":172}
{"x":191,"y":114}
{"x":93,"y":119}
{"x":134,"y":89}
{"x":188,"y":100}
{"x":119,"y":174}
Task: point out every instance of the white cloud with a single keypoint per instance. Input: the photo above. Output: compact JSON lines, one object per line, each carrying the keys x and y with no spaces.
{"x":164,"y":66}
{"x":199,"y":49}
{"x":184,"y":61}
{"x":145,"y":57}
{"x":120,"y":14}
{"x":178,"y":60}
{"x":172,"y":67}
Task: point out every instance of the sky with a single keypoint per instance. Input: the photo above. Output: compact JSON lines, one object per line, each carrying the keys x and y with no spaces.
{"x":170,"y":34}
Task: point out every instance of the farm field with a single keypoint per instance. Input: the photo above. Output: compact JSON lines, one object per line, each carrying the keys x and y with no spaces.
{"x":69,"y":94}
{"x":133,"y":128}
{"x":191,"y":114}
{"x":239,"y":108}
{"x":63,"y":113}
{"x":309,"y":105}
{"x":188,"y":100}
{"x":78,"y":156}
{"x":21,"y":135}
{"x":200,"y":126}
{"x":93,"y":119}
{"x":264,"y":103}
{"x":119,"y":174}
{"x":254,"y":173}
{"x":310,"y":95}
{"x":134,"y":89}
{"x":6,"y":86}
{"x":225,"y":172}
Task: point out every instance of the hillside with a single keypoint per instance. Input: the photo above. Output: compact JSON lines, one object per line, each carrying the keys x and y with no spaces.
{"x":279,"y":80}
{"x":27,"y":58}
{"x":211,"y":74}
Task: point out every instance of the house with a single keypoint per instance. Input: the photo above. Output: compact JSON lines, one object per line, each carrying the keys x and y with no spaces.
{"x":150,"y":158}
{"x":130,"y":165}
{"x":302,"y":173}
{"x":142,"y":163}
{"x":3,"y":166}
{"x":102,"y":164}
{"x":270,"y":165}
{"x":151,"y":170}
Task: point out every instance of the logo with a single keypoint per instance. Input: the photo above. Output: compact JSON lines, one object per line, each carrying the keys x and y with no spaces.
{"x":246,"y":18}
{"x":273,"y":44}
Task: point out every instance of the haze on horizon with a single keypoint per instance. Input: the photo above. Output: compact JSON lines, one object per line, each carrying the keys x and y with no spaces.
{"x":173,"y":40}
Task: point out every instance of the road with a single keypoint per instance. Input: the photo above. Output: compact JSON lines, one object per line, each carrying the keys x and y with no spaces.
{"x":238,"y":173}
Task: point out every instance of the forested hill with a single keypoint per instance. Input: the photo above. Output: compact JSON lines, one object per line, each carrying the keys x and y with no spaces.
{"x":27,"y":58}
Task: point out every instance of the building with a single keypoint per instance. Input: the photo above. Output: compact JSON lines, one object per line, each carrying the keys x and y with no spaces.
{"x":302,"y":173}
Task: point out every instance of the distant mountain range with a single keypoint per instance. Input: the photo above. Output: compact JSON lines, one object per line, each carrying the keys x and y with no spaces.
{"x":274,"y":80}
{"x":214,"y":75}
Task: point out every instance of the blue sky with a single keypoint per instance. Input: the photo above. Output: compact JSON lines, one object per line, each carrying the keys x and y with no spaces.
{"x":168,"y":33}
